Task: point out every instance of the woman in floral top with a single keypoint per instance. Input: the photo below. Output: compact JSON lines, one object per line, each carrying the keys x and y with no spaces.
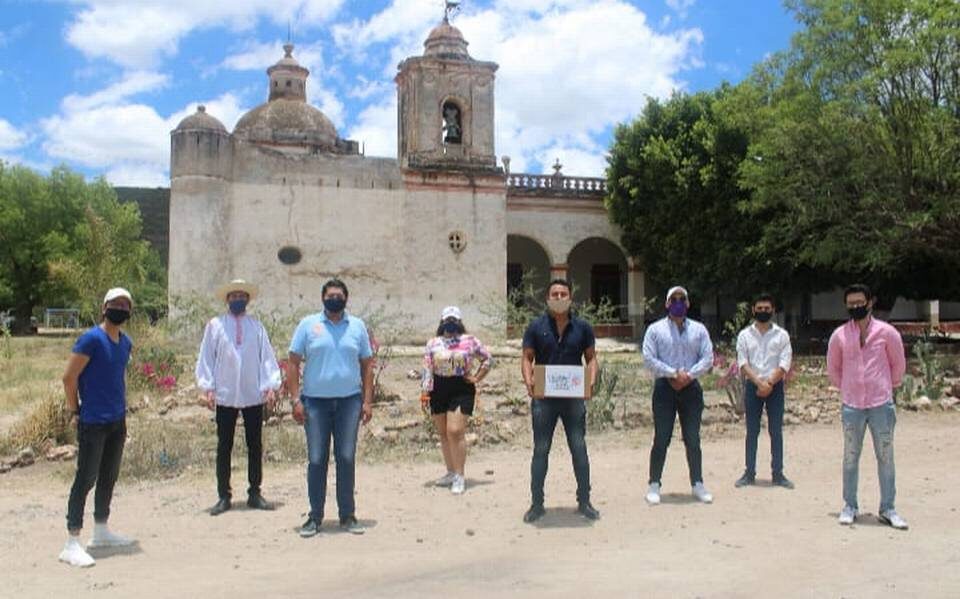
{"x":449,"y":388}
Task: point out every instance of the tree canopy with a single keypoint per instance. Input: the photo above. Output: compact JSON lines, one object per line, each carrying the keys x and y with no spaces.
{"x":850,"y":166}
{"x":64,"y":241}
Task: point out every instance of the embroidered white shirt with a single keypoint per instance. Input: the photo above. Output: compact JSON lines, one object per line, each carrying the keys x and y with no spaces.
{"x":236,"y":361}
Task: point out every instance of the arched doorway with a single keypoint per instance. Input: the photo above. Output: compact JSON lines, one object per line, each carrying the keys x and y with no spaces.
{"x":528,"y":270}
{"x":597,"y":269}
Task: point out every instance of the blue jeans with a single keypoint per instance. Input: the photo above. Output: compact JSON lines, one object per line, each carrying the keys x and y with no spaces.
{"x":544,"y":414}
{"x":339,"y":417}
{"x":881,"y":420}
{"x":753,"y":410}
{"x":667,"y":405}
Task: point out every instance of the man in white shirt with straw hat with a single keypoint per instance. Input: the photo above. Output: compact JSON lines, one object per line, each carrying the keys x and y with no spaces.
{"x":237,"y":373}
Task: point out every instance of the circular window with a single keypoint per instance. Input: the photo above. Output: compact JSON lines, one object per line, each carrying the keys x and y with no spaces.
{"x":457,"y":241}
{"x":289,"y":255}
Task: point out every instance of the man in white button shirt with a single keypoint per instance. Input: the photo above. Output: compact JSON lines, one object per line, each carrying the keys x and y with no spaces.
{"x":764,"y":356}
{"x":237,"y":372}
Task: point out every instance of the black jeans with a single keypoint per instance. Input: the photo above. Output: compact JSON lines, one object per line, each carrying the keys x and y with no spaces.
{"x":667,"y":404}
{"x":100,"y":449}
{"x":253,"y":432}
{"x":545,"y":413}
{"x":753,"y":409}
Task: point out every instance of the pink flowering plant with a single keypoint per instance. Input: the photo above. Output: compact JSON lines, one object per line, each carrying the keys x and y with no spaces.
{"x":155,"y":369}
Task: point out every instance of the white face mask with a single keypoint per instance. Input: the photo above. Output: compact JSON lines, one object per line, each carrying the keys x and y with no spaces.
{"x":558,"y":306}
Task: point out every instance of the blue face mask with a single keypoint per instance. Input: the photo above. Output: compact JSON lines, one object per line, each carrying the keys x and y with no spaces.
{"x":238,"y":306}
{"x":334,"y":305}
{"x":451,"y":328}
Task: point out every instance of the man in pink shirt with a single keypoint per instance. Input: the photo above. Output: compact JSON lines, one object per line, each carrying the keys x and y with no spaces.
{"x":865,"y":360}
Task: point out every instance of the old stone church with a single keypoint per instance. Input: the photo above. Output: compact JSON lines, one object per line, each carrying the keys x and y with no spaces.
{"x":284,"y":201}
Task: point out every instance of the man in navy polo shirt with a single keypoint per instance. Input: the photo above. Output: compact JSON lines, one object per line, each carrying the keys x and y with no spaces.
{"x":559,"y":338}
{"x":96,"y":393}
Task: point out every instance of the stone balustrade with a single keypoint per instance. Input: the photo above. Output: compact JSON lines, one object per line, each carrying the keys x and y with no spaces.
{"x":559,"y":184}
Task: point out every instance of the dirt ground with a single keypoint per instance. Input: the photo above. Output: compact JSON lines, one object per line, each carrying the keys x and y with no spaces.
{"x":421,"y":540}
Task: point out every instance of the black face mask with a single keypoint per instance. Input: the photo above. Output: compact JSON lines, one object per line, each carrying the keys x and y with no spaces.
{"x":859,"y":313}
{"x":335,"y":305}
{"x":116,"y":315}
{"x":763,"y":316}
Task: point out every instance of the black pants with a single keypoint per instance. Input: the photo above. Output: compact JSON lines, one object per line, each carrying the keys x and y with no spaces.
{"x":667,"y":404}
{"x":253,"y":432}
{"x":100,"y":449}
{"x":545,"y":413}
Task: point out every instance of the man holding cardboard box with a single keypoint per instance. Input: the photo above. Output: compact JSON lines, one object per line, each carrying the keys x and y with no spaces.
{"x":678,"y":351}
{"x":555,"y":346}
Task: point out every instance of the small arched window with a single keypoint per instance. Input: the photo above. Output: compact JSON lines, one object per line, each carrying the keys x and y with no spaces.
{"x":452,"y":123}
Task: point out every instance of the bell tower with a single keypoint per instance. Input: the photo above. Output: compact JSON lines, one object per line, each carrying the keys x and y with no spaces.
{"x":445,"y":105}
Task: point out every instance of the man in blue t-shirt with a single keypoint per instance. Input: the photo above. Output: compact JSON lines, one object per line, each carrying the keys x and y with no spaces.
{"x":96,"y":397}
{"x":334,"y":348}
{"x":559,"y":338}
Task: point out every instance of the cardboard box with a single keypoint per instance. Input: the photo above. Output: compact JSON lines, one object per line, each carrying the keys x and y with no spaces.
{"x":560,"y":381}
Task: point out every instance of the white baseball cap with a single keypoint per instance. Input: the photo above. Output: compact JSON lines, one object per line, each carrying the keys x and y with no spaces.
{"x":675,"y":289}
{"x":451,"y":312}
{"x":118,"y":292}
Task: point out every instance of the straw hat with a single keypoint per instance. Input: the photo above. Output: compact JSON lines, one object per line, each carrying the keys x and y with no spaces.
{"x":236,"y":285}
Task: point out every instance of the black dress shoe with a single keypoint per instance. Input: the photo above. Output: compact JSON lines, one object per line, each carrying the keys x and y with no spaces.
{"x":222,"y":506}
{"x":745,"y":480}
{"x":257,"y":502}
{"x":535,"y":512}
{"x":588,"y":511}
{"x":782,"y":481}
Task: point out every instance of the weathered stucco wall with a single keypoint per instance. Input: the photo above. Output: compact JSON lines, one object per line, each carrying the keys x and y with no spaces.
{"x":559,"y":224}
{"x":349,"y":216}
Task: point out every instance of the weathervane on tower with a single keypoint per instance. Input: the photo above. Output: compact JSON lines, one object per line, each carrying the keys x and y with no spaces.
{"x":452,"y":7}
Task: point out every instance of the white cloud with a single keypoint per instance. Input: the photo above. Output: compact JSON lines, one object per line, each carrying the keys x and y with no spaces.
{"x":138,"y":34}
{"x":376,"y":128}
{"x":138,"y":175}
{"x":132,"y":83}
{"x":126,"y":139}
{"x":8,"y":36}
{"x":11,"y":138}
{"x":591,"y":162}
{"x":569,"y":71}
{"x":681,"y":7}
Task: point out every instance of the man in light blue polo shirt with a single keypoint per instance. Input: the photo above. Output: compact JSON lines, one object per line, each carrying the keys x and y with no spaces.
{"x":334,"y":348}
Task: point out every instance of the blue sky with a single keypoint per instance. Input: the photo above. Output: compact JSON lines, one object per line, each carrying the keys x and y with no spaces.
{"x":99,"y":84}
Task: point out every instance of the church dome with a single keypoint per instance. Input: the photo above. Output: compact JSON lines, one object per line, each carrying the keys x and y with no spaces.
{"x":282,"y":121}
{"x":286,"y":118}
{"x":201,"y":120}
{"x":446,"y":41}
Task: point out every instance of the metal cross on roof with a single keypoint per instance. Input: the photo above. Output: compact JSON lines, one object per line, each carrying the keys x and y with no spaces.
{"x":451,"y":7}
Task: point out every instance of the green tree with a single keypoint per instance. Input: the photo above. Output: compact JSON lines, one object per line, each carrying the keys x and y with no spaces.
{"x":855,"y":146}
{"x":64,"y":241}
{"x":672,"y":188}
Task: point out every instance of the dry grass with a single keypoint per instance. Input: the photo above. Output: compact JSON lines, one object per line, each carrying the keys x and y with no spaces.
{"x":31,"y":366}
{"x":48,"y":421}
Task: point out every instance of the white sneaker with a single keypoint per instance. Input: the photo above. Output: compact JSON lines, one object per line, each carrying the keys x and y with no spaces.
{"x":74,"y":554}
{"x":102,"y":537}
{"x":892,"y":518}
{"x":458,"y":485}
{"x":701,"y":493}
{"x":847,"y":515}
{"x":653,"y":494}
{"x":446,"y":480}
